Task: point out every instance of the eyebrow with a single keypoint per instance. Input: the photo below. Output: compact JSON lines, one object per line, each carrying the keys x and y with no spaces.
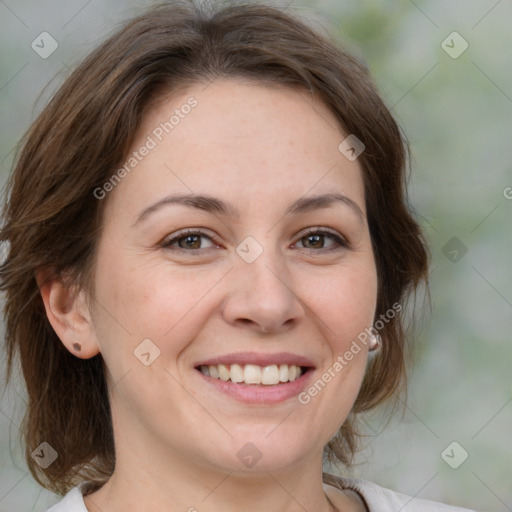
{"x":217,"y":206}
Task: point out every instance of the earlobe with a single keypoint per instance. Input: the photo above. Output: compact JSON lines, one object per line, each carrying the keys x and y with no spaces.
{"x":68,"y":313}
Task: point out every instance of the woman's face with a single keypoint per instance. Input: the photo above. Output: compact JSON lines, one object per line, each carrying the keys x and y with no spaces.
{"x":266,"y":280}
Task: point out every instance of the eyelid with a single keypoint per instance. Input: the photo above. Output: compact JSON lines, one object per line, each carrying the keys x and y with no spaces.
{"x":170,"y":239}
{"x":341,"y":242}
{"x":320,"y":229}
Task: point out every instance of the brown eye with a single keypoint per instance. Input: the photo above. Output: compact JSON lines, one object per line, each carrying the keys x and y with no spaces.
{"x":190,"y":242}
{"x":316,"y":240}
{"x":187,"y":241}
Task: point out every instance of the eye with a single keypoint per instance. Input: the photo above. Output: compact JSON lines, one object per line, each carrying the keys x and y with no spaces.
{"x":314,"y":240}
{"x":187,"y":240}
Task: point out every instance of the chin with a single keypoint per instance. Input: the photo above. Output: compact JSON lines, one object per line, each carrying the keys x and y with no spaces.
{"x":262,"y":453}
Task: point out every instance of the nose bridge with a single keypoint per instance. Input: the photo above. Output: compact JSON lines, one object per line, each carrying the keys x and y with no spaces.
{"x":263,"y":268}
{"x":262,"y":290}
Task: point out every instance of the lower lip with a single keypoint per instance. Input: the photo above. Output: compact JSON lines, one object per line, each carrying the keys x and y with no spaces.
{"x":259,"y":393}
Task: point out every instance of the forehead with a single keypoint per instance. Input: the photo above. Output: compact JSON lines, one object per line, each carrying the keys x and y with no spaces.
{"x":239,"y":139}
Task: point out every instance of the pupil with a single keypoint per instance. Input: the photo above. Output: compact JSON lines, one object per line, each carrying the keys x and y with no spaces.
{"x":189,"y":239}
{"x":316,"y":238}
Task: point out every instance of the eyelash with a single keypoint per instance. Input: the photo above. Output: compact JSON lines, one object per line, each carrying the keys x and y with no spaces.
{"x":341,"y":243}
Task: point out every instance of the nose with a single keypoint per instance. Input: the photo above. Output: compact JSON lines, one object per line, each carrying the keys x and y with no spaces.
{"x":262,"y":296}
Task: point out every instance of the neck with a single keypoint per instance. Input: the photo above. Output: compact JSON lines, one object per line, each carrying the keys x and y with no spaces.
{"x":158,"y":484}
{"x":149,"y":476}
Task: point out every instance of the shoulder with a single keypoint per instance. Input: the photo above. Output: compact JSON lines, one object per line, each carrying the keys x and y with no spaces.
{"x":73,"y":501}
{"x":379,"y":499}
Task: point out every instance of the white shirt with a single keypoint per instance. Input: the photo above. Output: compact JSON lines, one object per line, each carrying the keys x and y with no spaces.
{"x":377,"y":499}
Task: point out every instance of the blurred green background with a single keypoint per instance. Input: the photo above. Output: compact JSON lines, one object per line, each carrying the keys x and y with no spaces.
{"x":456,"y":111}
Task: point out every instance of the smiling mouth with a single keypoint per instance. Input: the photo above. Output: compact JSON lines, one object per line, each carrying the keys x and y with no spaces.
{"x":251,"y":374}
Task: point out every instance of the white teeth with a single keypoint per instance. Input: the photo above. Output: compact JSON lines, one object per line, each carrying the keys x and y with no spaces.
{"x":270,"y":375}
{"x":223,"y":372}
{"x":252,"y":374}
{"x":237,"y":373}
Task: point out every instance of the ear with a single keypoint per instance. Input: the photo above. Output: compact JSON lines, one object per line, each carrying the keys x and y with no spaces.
{"x":68,"y":313}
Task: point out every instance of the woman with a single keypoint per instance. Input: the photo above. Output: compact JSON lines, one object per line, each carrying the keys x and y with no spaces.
{"x":209,"y":256}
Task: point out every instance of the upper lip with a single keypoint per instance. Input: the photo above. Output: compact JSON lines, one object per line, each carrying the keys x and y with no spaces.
{"x":258,"y":359}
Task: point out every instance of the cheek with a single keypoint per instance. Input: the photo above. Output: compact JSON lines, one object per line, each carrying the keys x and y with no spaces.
{"x":344,"y":301}
{"x":153,"y":301}
{"x":345,"y":305}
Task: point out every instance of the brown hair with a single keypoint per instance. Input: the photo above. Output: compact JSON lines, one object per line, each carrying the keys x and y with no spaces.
{"x":52,"y":219}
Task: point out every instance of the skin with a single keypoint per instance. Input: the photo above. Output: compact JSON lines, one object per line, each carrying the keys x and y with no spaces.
{"x":258,"y":148}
